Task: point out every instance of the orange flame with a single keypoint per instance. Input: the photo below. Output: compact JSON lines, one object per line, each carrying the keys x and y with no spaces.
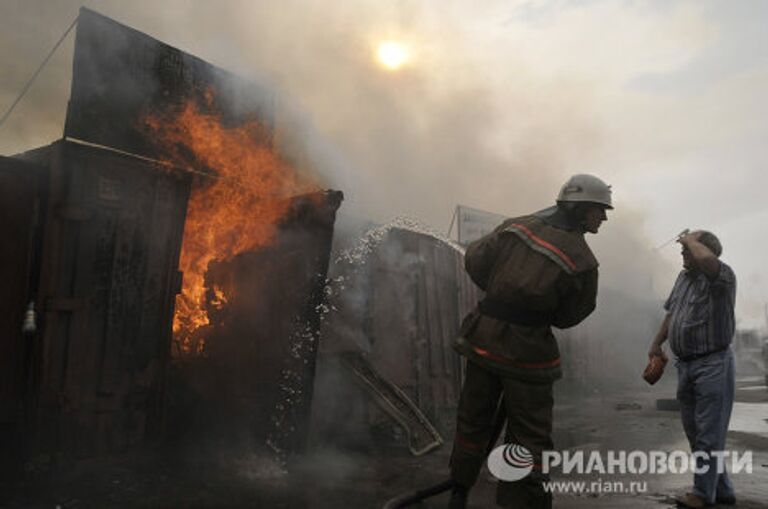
{"x":235,"y":211}
{"x":219,"y":298}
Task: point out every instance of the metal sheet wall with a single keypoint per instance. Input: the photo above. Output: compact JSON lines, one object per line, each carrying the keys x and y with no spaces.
{"x":419,"y":295}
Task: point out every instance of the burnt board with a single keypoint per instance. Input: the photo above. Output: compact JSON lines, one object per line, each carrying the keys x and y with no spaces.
{"x":120,"y":75}
{"x":108,"y":276}
{"x":20,"y":186}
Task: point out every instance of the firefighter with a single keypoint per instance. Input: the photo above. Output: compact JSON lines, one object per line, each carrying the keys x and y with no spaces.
{"x":537,"y":271}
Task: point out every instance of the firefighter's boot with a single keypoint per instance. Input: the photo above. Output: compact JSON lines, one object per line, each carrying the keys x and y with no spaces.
{"x":459,"y":496}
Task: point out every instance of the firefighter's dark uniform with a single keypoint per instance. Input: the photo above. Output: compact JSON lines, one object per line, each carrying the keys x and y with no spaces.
{"x":537,"y":272}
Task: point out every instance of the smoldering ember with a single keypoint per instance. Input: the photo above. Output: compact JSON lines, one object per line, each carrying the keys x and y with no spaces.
{"x":203,"y":307}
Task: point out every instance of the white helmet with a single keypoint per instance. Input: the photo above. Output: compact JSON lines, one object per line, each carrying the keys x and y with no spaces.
{"x":586,"y":188}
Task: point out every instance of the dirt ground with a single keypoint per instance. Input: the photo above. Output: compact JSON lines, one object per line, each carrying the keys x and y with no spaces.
{"x":331,"y":478}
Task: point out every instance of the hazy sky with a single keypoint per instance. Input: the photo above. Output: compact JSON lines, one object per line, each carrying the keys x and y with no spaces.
{"x":666,"y":100}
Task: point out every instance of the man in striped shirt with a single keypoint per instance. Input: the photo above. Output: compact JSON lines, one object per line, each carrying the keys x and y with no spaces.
{"x":700,"y":325}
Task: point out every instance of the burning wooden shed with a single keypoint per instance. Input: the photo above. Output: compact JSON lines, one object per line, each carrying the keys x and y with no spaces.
{"x":162,"y":230}
{"x":102,"y":276}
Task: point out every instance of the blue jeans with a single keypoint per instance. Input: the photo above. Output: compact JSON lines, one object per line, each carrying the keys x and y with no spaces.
{"x":705,"y":389}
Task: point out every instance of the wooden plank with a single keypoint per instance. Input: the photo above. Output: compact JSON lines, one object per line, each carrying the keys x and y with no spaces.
{"x":68,"y":304}
{"x":121,"y":297}
{"x":97,"y":297}
{"x":79,"y":359}
{"x":163,"y":282}
{"x":18,"y":204}
{"x":53,"y":342}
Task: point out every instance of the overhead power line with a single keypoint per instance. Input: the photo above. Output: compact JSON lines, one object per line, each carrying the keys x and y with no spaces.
{"x":37,"y":72}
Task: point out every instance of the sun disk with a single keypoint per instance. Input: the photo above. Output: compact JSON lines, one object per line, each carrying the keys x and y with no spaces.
{"x":392,"y":55}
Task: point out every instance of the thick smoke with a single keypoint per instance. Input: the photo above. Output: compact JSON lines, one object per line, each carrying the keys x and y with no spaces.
{"x":415,"y":142}
{"x":429,"y":130}
{"x":453,"y":127}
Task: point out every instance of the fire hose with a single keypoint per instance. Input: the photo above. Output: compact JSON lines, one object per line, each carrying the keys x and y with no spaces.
{"x":412,"y":497}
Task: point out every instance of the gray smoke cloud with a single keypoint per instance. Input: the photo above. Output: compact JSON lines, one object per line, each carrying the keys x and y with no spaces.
{"x":446,"y":129}
{"x":391,"y":139}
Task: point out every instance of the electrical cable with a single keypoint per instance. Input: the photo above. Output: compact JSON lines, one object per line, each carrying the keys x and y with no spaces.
{"x":37,"y":72}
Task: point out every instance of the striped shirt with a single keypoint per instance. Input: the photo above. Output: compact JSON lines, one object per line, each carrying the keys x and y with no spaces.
{"x":702,"y":312}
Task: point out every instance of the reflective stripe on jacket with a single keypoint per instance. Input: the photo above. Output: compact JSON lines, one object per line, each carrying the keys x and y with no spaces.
{"x":532,"y":270}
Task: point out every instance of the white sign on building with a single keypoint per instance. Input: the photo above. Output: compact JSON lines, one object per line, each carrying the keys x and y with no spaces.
{"x":474,"y":223}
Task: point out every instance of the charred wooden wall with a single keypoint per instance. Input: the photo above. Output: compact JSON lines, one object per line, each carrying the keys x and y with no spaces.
{"x":110,"y":231}
{"x":20,"y":205}
{"x":94,"y":241}
{"x":254,"y":382}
